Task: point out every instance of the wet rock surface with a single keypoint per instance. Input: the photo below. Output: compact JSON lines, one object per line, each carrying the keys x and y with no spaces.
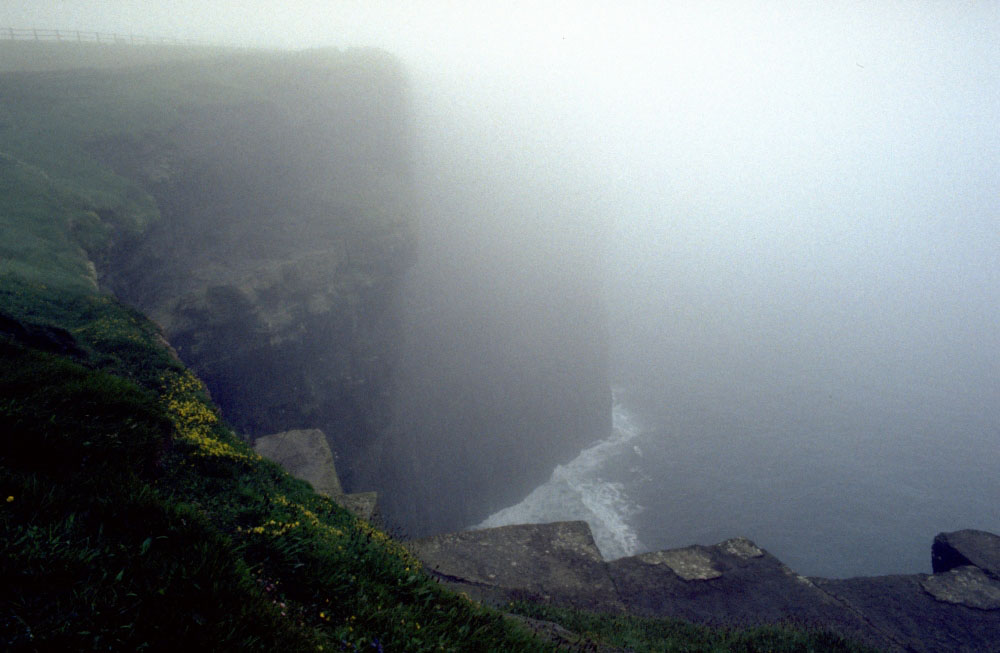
{"x":734,"y":583}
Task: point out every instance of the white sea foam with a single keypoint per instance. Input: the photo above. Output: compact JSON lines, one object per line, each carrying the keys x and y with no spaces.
{"x":577,"y":490}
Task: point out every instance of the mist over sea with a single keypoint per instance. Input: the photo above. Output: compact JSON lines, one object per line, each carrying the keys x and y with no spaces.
{"x":863,"y":494}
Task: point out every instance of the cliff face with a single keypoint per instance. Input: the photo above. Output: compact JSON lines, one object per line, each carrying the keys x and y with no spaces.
{"x":494,"y":392}
{"x":284,"y":270}
{"x":274,"y":265}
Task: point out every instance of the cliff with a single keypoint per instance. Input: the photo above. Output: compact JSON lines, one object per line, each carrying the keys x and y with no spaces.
{"x":260,"y":208}
{"x":256,"y":206}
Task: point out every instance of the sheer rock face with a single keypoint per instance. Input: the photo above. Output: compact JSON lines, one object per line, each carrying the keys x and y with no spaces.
{"x":275,"y":263}
{"x":277,"y":270}
{"x":731,"y":583}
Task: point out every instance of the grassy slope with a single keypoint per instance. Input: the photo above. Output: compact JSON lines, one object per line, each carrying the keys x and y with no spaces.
{"x":133,"y":518}
{"x":130,"y":516}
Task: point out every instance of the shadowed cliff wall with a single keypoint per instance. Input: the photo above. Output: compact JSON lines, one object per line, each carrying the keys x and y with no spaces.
{"x":294,"y":270}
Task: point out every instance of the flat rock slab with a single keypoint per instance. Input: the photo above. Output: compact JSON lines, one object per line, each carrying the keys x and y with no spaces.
{"x":968,"y":586}
{"x":968,"y":547}
{"x":305,"y":454}
{"x":908,"y":617}
{"x":734,"y":583}
{"x":362,"y":504}
{"x":557,"y":563}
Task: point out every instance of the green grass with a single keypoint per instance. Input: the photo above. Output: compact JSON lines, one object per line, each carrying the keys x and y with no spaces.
{"x":136,"y":519}
{"x":643,"y":635}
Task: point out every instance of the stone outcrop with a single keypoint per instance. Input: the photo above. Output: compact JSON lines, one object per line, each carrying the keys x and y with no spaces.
{"x":734,"y":583}
{"x":557,"y":563}
{"x":306,"y":455}
{"x":968,"y":547}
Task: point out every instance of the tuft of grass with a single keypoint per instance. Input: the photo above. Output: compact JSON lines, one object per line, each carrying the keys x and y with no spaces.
{"x":644,"y":634}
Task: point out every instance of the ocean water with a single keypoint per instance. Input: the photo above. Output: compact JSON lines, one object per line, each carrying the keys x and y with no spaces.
{"x":839,"y":493}
{"x":593,"y":487}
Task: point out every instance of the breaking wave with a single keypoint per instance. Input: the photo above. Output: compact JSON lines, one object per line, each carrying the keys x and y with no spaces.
{"x":578,"y":490}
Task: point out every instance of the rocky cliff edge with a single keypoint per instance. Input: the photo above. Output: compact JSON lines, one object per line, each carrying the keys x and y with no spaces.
{"x":733,"y":583}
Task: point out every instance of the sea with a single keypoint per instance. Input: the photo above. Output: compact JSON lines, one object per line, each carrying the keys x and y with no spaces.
{"x":833,"y":494}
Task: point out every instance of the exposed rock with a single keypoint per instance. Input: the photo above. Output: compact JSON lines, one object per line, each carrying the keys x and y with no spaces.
{"x":968,"y":547}
{"x":362,"y":504}
{"x":306,"y":455}
{"x":734,"y":583}
{"x":557,"y":563}
{"x":283,"y":269}
{"x":905,"y":617}
{"x":274,"y":266}
{"x":691,"y":563}
{"x":966,"y":585}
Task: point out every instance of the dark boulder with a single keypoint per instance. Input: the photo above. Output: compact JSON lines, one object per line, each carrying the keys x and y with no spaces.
{"x":968,"y":547}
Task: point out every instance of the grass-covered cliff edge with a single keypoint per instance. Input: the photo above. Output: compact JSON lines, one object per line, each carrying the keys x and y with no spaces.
{"x":133,"y":517}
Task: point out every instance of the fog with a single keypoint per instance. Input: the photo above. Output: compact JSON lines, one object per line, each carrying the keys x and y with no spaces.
{"x":797,"y":207}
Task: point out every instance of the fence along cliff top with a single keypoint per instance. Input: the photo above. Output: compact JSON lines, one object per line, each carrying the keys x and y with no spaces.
{"x":82,"y":36}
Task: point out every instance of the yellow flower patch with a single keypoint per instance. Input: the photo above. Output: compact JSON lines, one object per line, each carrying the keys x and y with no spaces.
{"x":194,"y":421}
